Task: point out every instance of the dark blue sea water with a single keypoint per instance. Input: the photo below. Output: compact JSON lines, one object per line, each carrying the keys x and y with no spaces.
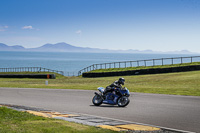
{"x":70,"y":62}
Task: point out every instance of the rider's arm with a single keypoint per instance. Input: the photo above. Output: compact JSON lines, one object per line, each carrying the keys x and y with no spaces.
{"x":117,"y":85}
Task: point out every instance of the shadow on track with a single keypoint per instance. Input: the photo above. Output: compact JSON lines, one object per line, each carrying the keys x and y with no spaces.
{"x":107,"y":106}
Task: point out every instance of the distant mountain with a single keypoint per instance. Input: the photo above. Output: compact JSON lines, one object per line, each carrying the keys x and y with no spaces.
{"x":64,"y":47}
{"x":182,"y":52}
{"x":4,"y":47}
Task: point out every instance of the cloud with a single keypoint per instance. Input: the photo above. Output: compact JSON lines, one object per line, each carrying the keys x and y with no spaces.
{"x":27,"y":27}
{"x":3,"y":28}
{"x":78,"y":32}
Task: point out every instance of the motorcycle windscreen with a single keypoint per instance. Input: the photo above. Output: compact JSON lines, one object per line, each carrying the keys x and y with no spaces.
{"x":101,"y":89}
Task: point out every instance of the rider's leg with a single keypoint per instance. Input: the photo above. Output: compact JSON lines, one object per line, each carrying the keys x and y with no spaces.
{"x":107,"y":89}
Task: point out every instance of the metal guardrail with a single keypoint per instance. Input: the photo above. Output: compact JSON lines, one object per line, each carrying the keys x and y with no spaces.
{"x":71,"y":74}
{"x":138,"y":63}
{"x":30,"y":69}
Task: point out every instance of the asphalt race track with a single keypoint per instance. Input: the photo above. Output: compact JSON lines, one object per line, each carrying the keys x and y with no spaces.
{"x":177,"y":112}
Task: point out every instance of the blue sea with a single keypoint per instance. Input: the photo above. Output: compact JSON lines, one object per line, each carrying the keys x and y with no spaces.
{"x":70,"y":63}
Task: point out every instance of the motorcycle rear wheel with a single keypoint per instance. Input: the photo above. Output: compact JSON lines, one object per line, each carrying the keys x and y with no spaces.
{"x":123,"y":101}
{"x":97,"y":100}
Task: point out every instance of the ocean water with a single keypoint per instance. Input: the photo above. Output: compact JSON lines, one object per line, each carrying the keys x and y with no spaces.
{"x":70,"y":63}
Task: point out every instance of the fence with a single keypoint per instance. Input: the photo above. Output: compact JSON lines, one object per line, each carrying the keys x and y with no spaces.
{"x":138,"y":63}
{"x":71,"y":74}
{"x":30,"y":69}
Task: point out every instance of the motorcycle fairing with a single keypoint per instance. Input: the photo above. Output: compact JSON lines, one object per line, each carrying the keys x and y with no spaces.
{"x":108,"y":100}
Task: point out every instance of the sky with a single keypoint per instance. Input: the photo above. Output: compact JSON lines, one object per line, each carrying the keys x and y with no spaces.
{"x":159,"y":25}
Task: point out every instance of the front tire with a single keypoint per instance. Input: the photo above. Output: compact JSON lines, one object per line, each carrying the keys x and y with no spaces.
{"x":97,"y":100}
{"x":123,"y":101}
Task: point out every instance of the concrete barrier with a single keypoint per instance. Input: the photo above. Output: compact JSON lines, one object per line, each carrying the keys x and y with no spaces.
{"x":143,"y":71}
{"x":39,"y":76}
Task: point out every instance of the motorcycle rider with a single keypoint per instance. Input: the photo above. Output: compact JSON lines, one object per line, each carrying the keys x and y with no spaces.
{"x":116,"y":84}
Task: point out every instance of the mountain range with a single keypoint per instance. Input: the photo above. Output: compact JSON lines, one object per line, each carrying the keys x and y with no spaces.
{"x":64,"y":47}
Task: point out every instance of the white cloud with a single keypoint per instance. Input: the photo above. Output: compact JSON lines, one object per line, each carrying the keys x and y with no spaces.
{"x":78,"y":32}
{"x":3,"y":28}
{"x":28,"y":27}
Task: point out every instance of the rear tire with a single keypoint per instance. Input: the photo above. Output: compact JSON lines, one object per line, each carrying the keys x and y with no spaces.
{"x":123,"y":101}
{"x":97,"y":100}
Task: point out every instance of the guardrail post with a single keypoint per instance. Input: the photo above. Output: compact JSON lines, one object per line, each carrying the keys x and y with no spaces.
{"x":181,"y":60}
{"x":172,"y":61}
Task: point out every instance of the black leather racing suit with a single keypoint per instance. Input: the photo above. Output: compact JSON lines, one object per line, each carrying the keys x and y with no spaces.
{"x":111,"y":87}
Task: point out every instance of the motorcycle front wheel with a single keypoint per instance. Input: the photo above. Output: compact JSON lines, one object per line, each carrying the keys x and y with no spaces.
{"x":123,"y":101}
{"x":97,"y":100}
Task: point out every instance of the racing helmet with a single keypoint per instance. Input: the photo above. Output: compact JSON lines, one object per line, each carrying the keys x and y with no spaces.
{"x":121,"y":81}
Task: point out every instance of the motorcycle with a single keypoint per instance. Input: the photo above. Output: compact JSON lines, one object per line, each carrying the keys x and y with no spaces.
{"x":119,"y":96}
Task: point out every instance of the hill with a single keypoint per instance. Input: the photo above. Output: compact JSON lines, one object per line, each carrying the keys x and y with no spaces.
{"x":4,"y":47}
{"x":64,"y":47}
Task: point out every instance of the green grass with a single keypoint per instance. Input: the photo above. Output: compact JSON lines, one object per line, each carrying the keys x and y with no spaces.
{"x":12,"y":121}
{"x":183,"y":83}
{"x":142,"y":67}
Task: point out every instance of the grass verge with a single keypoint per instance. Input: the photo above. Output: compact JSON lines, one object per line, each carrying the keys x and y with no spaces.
{"x":12,"y":121}
{"x":183,"y":83}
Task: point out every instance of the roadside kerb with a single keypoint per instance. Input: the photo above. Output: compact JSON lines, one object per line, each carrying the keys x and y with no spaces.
{"x":95,"y":121}
{"x":101,"y":122}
